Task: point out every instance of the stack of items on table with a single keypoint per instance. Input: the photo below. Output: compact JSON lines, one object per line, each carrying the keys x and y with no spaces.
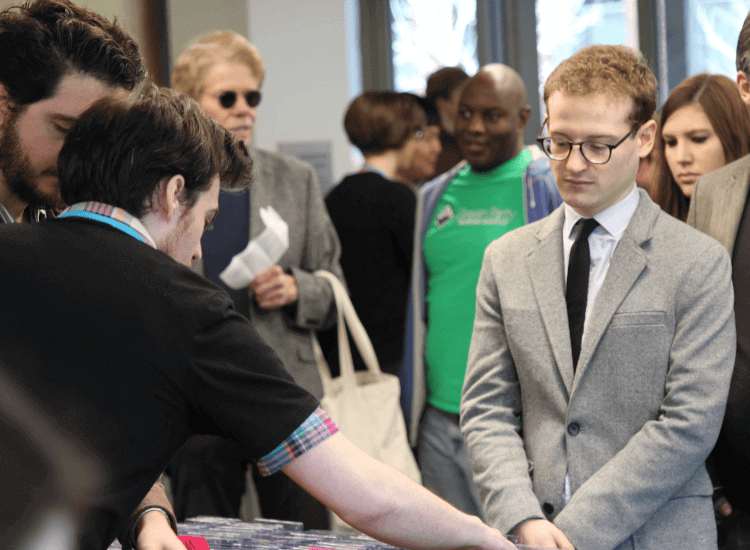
{"x":266,"y":534}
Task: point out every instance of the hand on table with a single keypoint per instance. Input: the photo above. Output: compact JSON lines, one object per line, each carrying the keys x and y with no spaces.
{"x":542,"y":533}
{"x":273,"y":288}
{"x":155,"y":533}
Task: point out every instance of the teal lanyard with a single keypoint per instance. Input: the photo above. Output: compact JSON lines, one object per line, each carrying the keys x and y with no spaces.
{"x":125,"y":228}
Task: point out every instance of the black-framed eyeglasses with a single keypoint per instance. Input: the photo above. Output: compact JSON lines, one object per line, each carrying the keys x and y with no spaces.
{"x":228,"y":99}
{"x":595,"y":152}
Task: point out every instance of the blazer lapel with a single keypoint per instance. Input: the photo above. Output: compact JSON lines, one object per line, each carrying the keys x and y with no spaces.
{"x":256,"y":192}
{"x":626,"y":265}
{"x":729,"y":204}
{"x":546,"y":271}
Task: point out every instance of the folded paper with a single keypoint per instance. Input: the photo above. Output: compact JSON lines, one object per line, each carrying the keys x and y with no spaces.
{"x":261,"y":253}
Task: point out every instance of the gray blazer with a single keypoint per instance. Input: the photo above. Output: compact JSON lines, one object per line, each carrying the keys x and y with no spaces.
{"x":718,"y":201}
{"x":635,"y":422}
{"x":291,"y":187}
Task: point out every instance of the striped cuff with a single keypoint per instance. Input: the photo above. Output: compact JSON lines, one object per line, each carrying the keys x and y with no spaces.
{"x":312,"y":431}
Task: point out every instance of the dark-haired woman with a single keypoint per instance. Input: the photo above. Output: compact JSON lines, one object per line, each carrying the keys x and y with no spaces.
{"x":374,"y":217}
{"x":704,"y":125}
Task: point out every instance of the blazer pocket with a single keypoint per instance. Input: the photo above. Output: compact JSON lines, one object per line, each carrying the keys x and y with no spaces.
{"x":639,"y":319}
{"x":637,"y":345}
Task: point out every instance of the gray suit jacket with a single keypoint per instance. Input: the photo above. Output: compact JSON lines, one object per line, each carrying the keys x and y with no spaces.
{"x":291,"y":187}
{"x":635,"y":422}
{"x":718,"y":201}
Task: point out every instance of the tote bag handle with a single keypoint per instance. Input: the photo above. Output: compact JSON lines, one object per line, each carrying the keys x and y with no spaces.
{"x":347,"y":317}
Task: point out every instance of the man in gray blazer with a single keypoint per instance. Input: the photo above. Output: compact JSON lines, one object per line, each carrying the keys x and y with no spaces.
{"x":223,"y":72}
{"x":719,"y":208}
{"x":589,"y":428}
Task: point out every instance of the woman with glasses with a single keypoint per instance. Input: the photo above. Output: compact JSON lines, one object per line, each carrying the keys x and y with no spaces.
{"x":224,"y":73}
{"x":704,"y":125}
{"x":373,"y":213}
{"x":424,"y":161}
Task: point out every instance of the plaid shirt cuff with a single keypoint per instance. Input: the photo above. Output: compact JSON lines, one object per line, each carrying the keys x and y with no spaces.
{"x":312,"y":431}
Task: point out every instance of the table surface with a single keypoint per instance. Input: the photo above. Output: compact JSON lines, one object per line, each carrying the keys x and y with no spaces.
{"x":266,"y":534}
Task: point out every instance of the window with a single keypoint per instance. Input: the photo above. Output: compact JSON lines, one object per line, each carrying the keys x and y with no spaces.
{"x":563,"y":28}
{"x":711,"y":31}
{"x":429,"y":34}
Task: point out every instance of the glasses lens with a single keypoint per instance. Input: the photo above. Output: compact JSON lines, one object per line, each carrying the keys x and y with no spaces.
{"x":227,"y":99}
{"x":556,"y":149}
{"x":252,"y":98}
{"x":598,"y":153}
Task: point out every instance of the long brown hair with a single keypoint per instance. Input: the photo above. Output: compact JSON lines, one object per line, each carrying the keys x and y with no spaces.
{"x":721,"y":101}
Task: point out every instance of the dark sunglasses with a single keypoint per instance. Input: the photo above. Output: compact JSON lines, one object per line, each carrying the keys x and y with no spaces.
{"x":228,"y":99}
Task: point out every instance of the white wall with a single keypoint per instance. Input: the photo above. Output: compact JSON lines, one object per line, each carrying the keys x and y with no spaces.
{"x":189,"y":19}
{"x":311,"y":50}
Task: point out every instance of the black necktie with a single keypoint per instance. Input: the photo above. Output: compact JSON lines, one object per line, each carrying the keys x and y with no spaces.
{"x":577,"y":288}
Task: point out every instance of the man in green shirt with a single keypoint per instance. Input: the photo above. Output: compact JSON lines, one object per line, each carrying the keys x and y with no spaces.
{"x":501,"y":186}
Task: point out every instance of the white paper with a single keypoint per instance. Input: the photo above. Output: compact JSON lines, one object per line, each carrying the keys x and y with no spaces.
{"x":261,"y":253}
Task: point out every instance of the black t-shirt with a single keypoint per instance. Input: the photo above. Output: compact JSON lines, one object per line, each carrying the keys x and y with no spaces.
{"x":130,"y":353}
{"x":374,"y":218}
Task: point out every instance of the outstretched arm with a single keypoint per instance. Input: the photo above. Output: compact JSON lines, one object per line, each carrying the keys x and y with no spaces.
{"x":384,"y":503}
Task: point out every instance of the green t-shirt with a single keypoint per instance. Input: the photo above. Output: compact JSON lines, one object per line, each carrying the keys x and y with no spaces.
{"x":475,"y":209}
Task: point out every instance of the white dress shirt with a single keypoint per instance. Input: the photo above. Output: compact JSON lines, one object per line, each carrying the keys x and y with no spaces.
{"x":602,"y":243}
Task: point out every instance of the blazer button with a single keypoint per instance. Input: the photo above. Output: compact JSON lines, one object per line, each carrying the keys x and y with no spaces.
{"x":548,"y":509}
{"x":574,"y":428}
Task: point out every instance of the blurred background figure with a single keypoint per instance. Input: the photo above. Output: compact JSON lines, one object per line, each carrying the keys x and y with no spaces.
{"x":223,"y":72}
{"x":444,"y":90}
{"x":648,"y":167}
{"x":424,"y":161}
{"x":45,"y":493}
{"x":704,"y":125}
{"x":719,"y":206}
{"x":373,"y":213}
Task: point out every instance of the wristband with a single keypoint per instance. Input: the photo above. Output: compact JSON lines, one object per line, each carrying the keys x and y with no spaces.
{"x":133,"y":535}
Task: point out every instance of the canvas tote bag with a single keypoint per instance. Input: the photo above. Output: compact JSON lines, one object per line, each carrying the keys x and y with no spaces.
{"x":364,"y":404}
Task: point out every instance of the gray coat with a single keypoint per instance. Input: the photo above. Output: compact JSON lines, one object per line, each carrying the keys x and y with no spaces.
{"x":291,"y":187}
{"x":718,"y":201}
{"x":635,"y":422}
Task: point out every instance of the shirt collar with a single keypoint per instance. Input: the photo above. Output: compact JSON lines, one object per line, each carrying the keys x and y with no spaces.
{"x":370,"y":168}
{"x":111,"y":215}
{"x":614,"y":220}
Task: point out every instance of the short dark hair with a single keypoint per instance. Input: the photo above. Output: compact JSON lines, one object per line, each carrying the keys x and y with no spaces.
{"x":720,"y":100}
{"x":378,"y":121}
{"x":125,"y":145}
{"x":618,"y":71}
{"x":429,"y":108}
{"x":43,"y":40}
{"x":743,"y":47}
{"x":442,"y":82}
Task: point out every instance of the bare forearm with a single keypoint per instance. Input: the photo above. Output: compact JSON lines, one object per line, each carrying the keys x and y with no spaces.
{"x":418,"y":519}
{"x":385,"y":504}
